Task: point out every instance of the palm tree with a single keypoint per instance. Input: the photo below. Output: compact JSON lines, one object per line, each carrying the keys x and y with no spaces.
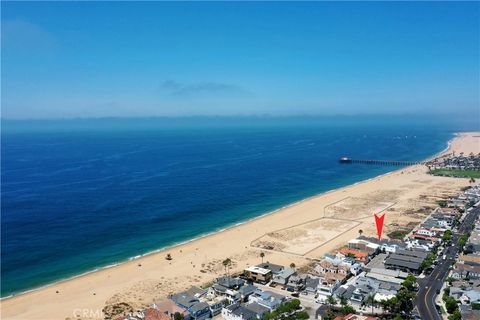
{"x":262,"y":255}
{"x":331,"y":301}
{"x":292,"y":265}
{"x":226,"y":263}
{"x":360,"y":232}
{"x":370,"y":300}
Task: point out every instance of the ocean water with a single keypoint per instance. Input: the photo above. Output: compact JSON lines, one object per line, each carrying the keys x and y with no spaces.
{"x":77,"y":198}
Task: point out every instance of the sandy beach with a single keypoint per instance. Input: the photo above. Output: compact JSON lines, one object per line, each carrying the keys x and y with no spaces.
{"x":298,"y":234}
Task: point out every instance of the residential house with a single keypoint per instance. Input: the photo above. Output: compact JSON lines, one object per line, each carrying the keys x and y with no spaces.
{"x":232,"y":296}
{"x":332,"y":266}
{"x":419,"y":244}
{"x":344,"y":291}
{"x":258,"y":274}
{"x":352,"y":316}
{"x":246,"y":291}
{"x":424,"y":232}
{"x":282,"y":277}
{"x":230,"y":282}
{"x":190,"y":300}
{"x":258,"y":309}
{"x":470,"y":259}
{"x":363,"y":245}
{"x":154,"y":314}
{"x":297,"y":282}
{"x":199,"y":311}
{"x":228,"y":287}
{"x":267,"y":299}
{"x":169,"y":308}
{"x":311,"y":285}
{"x":237,"y":312}
{"x":465,"y":295}
{"x":462,"y":271}
{"x":274,"y":268}
{"x":215,"y":302}
{"x":329,"y":282}
{"x":360,"y":256}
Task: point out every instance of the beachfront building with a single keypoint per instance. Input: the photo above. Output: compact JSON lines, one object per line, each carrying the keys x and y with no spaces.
{"x":170,"y":308}
{"x":276,"y":269}
{"x":282,"y":277}
{"x":363,"y":244}
{"x":190,"y":300}
{"x":258,"y":274}
{"x":228,"y":287}
{"x":384,"y":245}
{"x":154,"y":314}
{"x":358,"y":255}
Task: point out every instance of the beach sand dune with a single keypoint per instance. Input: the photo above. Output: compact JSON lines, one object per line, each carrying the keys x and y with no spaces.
{"x":298,"y":233}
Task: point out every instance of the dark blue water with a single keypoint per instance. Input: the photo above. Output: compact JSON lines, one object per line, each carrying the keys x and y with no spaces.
{"x":75,"y":200}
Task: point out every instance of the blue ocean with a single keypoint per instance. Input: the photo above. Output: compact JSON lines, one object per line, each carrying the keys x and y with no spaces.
{"x":77,"y":195}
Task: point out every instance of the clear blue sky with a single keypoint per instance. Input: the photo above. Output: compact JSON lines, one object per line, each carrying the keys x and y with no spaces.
{"x":95,"y":59}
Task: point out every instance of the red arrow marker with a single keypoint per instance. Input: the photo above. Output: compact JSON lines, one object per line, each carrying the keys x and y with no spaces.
{"x":379,"y":224}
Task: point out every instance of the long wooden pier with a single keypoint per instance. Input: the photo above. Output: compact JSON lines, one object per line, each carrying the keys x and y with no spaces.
{"x":381,"y":162}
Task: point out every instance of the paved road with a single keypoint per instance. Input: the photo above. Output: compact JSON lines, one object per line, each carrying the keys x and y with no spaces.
{"x":430,"y":286}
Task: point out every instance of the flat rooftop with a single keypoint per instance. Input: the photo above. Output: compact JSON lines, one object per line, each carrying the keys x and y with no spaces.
{"x":259,"y":270}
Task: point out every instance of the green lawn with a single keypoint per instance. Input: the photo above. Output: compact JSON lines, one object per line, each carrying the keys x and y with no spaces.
{"x":456,"y":173}
{"x":398,"y":234}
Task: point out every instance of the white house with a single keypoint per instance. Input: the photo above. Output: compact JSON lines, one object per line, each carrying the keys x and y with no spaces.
{"x":425,"y":232}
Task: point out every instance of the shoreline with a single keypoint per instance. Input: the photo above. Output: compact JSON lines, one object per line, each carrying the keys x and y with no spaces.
{"x":226,"y":228}
{"x":130,"y":263}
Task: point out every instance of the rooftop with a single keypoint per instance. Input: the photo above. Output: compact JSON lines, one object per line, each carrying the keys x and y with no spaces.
{"x":241,"y":311}
{"x":275,"y":268}
{"x":357,"y":253}
{"x":259,"y":270}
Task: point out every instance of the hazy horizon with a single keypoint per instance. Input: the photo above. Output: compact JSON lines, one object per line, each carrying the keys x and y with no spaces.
{"x":126,"y":59}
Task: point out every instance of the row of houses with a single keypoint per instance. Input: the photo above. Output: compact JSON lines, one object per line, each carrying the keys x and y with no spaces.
{"x":232,"y":298}
{"x":465,"y":275}
{"x":460,"y":161}
{"x":364,"y":267}
{"x":467,"y":265}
